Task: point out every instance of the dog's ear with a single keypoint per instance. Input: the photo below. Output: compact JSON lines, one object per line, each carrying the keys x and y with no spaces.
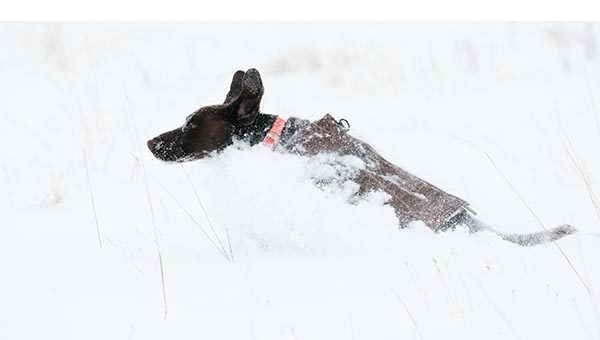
{"x":244,"y":107}
{"x":235,"y":88}
{"x":252,"y":84}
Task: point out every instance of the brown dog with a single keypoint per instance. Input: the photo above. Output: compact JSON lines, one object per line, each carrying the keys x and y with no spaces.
{"x":213,"y":128}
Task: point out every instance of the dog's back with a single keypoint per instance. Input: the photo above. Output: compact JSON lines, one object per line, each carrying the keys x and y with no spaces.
{"x":412,"y":198}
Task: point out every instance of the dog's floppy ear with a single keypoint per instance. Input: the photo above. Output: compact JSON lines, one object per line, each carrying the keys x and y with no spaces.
{"x":243,"y":99}
{"x":235,"y":88}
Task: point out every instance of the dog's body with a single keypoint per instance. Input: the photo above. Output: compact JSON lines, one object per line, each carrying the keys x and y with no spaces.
{"x":212,"y":128}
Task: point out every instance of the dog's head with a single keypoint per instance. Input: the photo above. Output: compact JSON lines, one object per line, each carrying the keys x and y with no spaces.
{"x":212,"y":128}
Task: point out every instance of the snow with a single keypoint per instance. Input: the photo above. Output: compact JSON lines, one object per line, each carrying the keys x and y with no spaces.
{"x":304,"y":262}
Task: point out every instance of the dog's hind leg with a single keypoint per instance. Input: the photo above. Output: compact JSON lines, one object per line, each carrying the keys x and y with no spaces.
{"x":532,"y":239}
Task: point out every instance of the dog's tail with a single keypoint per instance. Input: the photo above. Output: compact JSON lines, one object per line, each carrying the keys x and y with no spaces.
{"x":526,"y":240}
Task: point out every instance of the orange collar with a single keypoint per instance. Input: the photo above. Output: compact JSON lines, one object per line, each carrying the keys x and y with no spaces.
{"x":273,"y":135}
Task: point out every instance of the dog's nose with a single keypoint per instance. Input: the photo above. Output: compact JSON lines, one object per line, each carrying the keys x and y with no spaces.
{"x":151,"y":144}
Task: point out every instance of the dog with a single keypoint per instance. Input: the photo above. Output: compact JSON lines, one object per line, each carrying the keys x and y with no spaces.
{"x":212,"y":128}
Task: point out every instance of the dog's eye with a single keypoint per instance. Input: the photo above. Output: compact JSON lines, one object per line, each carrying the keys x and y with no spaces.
{"x":189,"y":124}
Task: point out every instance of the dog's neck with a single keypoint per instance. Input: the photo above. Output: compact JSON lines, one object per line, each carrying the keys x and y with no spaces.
{"x":257,"y":131}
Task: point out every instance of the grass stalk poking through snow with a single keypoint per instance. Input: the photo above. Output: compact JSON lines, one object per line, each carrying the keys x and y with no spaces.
{"x":462,"y":280}
{"x":147,"y":186}
{"x":587,"y":288}
{"x":580,"y":168}
{"x":587,"y":81}
{"x":87,"y":173}
{"x":417,"y":283}
{"x":409,"y":314}
{"x":203,"y":210}
{"x":446,"y":289}
{"x":489,"y":298}
{"x":196,"y":223}
{"x":229,"y":243}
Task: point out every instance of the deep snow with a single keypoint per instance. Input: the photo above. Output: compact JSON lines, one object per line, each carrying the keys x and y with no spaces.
{"x":432,"y":98}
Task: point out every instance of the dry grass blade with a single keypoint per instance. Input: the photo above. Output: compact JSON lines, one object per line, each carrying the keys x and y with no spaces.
{"x":147,"y":186}
{"x":192,"y":218}
{"x":203,"y":209}
{"x":409,"y":313}
{"x":541,"y":224}
{"x":229,"y":243}
{"x":515,"y":191}
{"x":489,"y":298}
{"x":463,"y":281}
{"x":587,"y":80}
{"x":446,"y":289}
{"x":91,"y":197}
{"x":413,"y":275}
{"x":588,"y":186}
{"x":196,"y":223}
{"x":579,"y":166}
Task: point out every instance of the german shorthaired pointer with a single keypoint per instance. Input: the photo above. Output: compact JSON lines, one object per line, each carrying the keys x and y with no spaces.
{"x":212,"y":128}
